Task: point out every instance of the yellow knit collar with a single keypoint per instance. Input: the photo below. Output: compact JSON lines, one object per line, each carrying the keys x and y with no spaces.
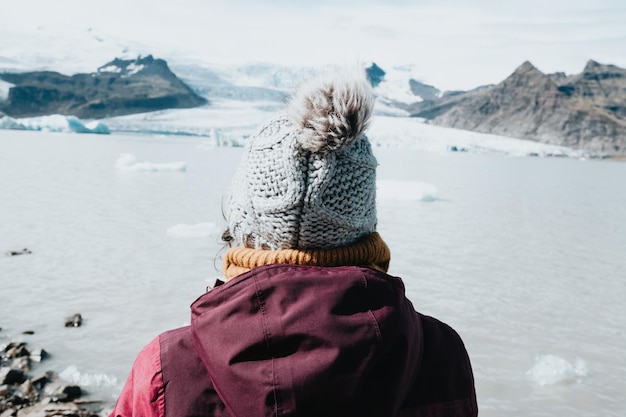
{"x":371,"y":251}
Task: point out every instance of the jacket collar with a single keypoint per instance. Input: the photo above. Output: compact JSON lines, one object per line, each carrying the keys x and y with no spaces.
{"x":370,"y":251}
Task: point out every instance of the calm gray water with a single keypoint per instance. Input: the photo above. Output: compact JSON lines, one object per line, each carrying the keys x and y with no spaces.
{"x":524,"y":257}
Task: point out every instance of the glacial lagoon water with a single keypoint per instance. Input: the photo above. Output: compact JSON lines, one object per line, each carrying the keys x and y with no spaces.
{"x":524,"y":257}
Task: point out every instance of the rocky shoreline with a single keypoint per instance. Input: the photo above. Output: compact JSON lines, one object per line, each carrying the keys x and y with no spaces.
{"x":27,"y":391}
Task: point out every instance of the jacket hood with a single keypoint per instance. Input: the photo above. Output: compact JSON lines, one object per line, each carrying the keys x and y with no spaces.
{"x":286,"y":340}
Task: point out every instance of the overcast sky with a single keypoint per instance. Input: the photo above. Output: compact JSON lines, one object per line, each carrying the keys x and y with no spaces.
{"x":451,"y":44}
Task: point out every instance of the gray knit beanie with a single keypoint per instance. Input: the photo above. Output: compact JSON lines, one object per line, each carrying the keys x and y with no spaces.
{"x":307,"y":178}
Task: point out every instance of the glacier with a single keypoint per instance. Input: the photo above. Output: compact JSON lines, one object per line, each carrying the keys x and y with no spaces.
{"x":54,"y":123}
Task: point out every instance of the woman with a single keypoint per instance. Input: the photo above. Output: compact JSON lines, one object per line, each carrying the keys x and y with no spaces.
{"x":307,"y":322}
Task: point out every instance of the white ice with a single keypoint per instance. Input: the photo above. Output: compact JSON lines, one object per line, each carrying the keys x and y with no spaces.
{"x":191,"y":231}
{"x":414,"y":133}
{"x":231,"y":122}
{"x":551,"y":370}
{"x":7,"y":122}
{"x":4,"y":89}
{"x":133,"y":69}
{"x":395,"y":85}
{"x":387,"y":190}
{"x":129,"y":162}
{"x":222,"y":122}
{"x":72,"y":375}
{"x":54,"y":123}
{"x":110,"y":68}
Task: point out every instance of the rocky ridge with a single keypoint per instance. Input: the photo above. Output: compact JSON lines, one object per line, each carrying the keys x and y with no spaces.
{"x":584,"y":111}
{"x":118,"y":88}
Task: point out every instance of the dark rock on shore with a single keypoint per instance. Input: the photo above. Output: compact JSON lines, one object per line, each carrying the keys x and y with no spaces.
{"x":43,"y":395}
{"x":119,"y":87}
{"x":52,"y":409}
{"x":24,"y":251}
{"x":74,"y":320}
{"x":375,"y":74}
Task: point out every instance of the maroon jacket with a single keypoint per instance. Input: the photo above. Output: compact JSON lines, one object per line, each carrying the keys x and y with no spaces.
{"x":285,"y":340}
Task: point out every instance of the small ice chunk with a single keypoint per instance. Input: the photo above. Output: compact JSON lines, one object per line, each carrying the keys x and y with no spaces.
{"x":551,"y":370}
{"x":54,"y":123}
{"x":129,"y":162}
{"x":405,"y":191}
{"x":7,"y":122}
{"x":72,"y":375}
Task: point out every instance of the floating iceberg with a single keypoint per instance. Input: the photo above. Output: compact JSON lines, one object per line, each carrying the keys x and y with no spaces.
{"x":551,"y":370}
{"x":129,"y":162}
{"x":191,"y":231}
{"x":405,"y":191}
{"x":214,"y":139}
{"x":7,"y":122}
{"x":54,"y":123}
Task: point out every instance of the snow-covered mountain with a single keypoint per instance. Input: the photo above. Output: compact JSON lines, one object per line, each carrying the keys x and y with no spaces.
{"x":240,"y":96}
{"x":257,"y":87}
{"x":394,"y":87}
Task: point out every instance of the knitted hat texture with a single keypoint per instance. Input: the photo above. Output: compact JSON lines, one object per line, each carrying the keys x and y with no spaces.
{"x":307,"y":178}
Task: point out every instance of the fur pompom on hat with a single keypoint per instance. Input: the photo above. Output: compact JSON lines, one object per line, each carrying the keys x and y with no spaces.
{"x":332,"y":110}
{"x":307,"y":178}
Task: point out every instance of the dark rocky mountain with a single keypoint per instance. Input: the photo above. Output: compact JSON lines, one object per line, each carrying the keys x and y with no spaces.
{"x":118,"y":88}
{"x":583,"y":111}
{"x":375,"y":74}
